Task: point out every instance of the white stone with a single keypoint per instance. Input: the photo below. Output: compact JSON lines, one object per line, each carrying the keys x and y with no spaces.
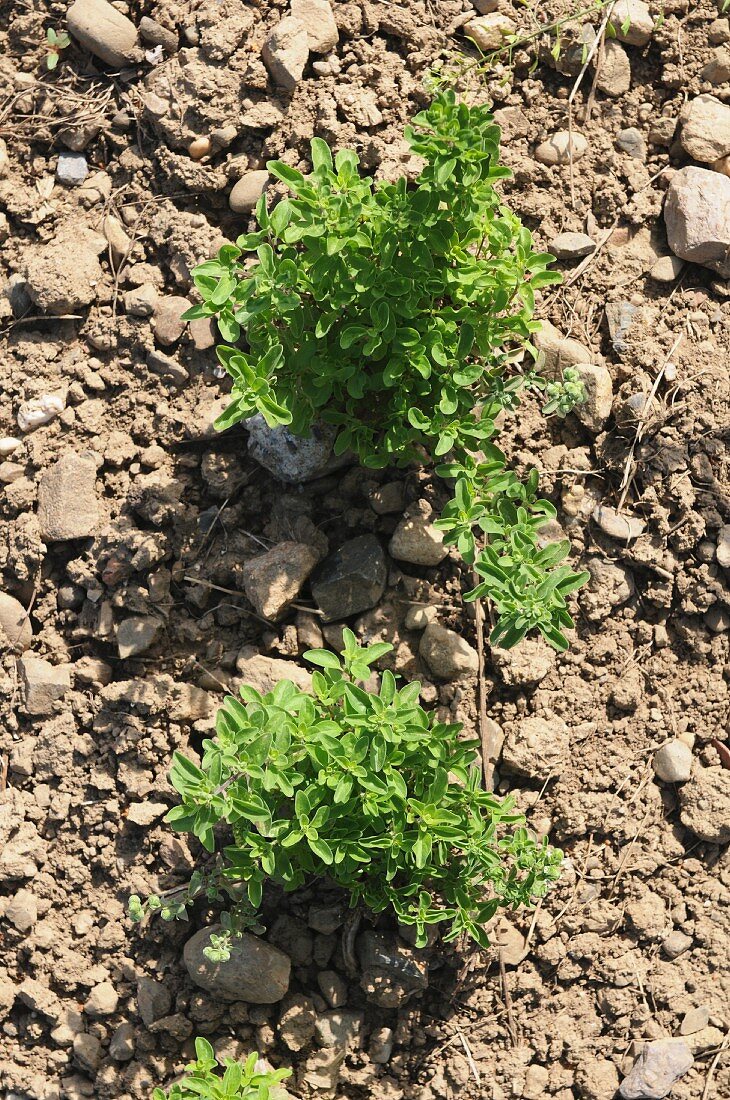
{"x":39,"y":410}
{"x":673,"y":762}
{"x":488,"y":32}
{"x":635,"y":16}
{"x":558,"y":147}
{"x":447,"y":654}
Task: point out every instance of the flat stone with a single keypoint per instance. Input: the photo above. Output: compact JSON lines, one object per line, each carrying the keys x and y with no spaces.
{"x":537,"y":747}
{"x":290,"y":457}
{"x":632,"y":22}
{"x":717,"y":69}
{"x":168,"y":325}
{"x":621,"y":316}
{"x":157,"y":35}
{"x":596,"y":409}
{"x":247,"y":192}
{"x":559,"y":351}
{"x":167,"y":367}
{"x":617,"y":526}
{"x":352,"y":579}
{"x":416,"y":540}
{"x":705,"y":134}
{"x":705,"y":805}
{"x":572,"y":246}
{"x":656,"y":1070}
{"x":104,"y":31}
{"x":256,"y":972}
{"x":264,"y":673}
{"x":15,"y":627}
{"x":153,"y":1000}
{"x":488,"y":32}
{"x":272,"y":580}
{"x":71,"y":169}
{"x":318,"y":20}
{"x":447,"y":654}
{"x":697,"y":216}
{"x":614,"y":74}
{"x":62,"y":274}
{"x":122,"y":1043}
{"x":695,"y":1020}
{"x":67,"y":503}
{"x":339,"y":1029}
{"x":140,"y":301}
{"x":286,"y":52}
{"x":673,"y":762}
{"x":558,"y":147}
{"x":43,"y":684}
{"x":632,"y":141}
{"x":136,"y":634}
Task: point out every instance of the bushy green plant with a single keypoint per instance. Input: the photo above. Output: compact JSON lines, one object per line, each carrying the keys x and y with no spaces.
{"x":399,"y":314}
{"x":239,"y":1080}
{"x":365,"y":788}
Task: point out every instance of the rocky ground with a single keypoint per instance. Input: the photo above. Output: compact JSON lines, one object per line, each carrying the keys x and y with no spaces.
{"x":140,"y":552}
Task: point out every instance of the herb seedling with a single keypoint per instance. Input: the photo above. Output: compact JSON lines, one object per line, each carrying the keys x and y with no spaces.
{"x":239,"y":1081}
{"x":55,"y":42}
{"x":365,"y":788}
{"x":401,"y":315}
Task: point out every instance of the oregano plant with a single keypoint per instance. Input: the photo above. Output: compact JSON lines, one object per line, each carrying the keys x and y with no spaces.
{"x":363,"y":787}
{"x":249,"y":1080}
{"x":403,"y":315}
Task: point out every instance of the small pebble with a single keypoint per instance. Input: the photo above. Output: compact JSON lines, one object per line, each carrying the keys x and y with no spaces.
{"x":666,"y":269}
{"x":695,"y":1020}
{"x":676,"y":943}
{"x":199,"y":147}
{"x":71,"y":169}
{"x":673,"y":762}
{"x":8,"y":444}
{"x":572,"y":246}
{"x":247,"y":192}
{"x":558,"y":147}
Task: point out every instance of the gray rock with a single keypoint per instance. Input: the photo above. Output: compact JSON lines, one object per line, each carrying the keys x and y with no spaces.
{"x":392,"y":972}
{"x":676,"y":943}
{"x":613,"y":77}
{"x":43,"y":684}
{"x":695,"y":1020}
{"x":416,"y":540}
{"x":333,"y":988}
{"x":617,"y":526}
{"x":289,"y":457}
{"x":339,"y":1029}
{"x":247,"y":192}
{"x":104,"y":31}
{"x":167,"y":367}
{"x":286,"y":52}
{"x":153,"y":1000}
{"x":705,"y":129}
{"x":136,"y":634}
{"x":351,"y":580}
{"x":697,"y":216}
{"x":15,"y":628}
{"x":102,"y":1001}
{"x":666,"y":269}
{"x":168,"y":325}
{"x":673,"y":762}
{"x":325,"y":918}
{"x":67,"y":504}
{"x":87,"y":1052}
{"x":559,"y":351}
{"x":447,"y":654}
{"x":71,"y":169}
{"x":272,"y":580}
{"x":256,"y":971}
{"x":632,"y":141}
{"x":381,"y":1045}
{"x":571,"y":246}
{"x":157,"y":35}
{"x":655,"y":1071}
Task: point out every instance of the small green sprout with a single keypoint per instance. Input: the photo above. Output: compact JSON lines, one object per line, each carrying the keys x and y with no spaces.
{"x":55,"y":41}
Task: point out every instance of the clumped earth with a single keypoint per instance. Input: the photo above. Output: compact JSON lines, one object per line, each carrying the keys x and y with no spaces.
{"x":133,"y":595}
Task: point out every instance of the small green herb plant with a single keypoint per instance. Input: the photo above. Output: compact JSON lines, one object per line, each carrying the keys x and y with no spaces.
{"x":365,"y":788}
{"x":400,"y":314}
{"x":55,"y":42}
{"x":239,"y":1081}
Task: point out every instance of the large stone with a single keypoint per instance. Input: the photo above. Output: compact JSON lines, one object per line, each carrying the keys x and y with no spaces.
{"x":416,"y":540}
{"x":352,"y":579}
{"x":317,"y":18}
{"x":67,"y":504}
{"x":447,"y":654}
{"x":705,"y":129}
{"x":256,"y":972}
{"x":632,"y":22}
{"x":104,"y":31}
{"x":15,"y":627}
{"x":43,"y":684}
{"x":697,"y":215}
{"x":705,"y":805}
{"x":291,"y":458}
{"x":286,"y":51}
{"x":537,"y":747}
{"x":655,"y":1071}
{"x":613,"y":75}
{"x":247,"y":192}
{"x":272,"y":580}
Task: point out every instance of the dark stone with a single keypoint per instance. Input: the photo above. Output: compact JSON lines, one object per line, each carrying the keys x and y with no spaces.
{"x":352,"y":579}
